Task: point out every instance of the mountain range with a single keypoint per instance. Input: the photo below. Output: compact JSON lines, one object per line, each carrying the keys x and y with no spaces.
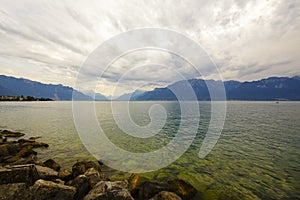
{"x":11,"y":86}
{"x":268,"y":89}
{"x":130,"y":96}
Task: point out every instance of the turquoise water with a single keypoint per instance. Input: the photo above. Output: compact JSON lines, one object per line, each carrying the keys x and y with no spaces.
{"x":256,"y":157}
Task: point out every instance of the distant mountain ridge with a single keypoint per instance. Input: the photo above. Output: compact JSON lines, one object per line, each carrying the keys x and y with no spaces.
{"x":269,"y":89}
{"x":130,"y":96}
{"x":11,"y":86}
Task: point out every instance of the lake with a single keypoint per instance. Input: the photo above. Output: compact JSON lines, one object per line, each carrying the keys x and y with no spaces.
{"x":256,"y":157}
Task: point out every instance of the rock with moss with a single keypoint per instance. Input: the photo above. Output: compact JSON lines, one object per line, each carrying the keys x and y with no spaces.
{"x":135,"y":181}
{"x":182,"y":188}
{"x":148,"y":189}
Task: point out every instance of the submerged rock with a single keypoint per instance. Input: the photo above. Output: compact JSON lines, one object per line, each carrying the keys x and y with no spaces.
{"x":117,"y":190}
{"x":35,"y":138}
{"x":32,"y":143}
{"x":52,"y":164}
{"x":182,"y":188}
{"x":148,"y":189}
{"x":135,"y":180}
{"x":47,"y":190}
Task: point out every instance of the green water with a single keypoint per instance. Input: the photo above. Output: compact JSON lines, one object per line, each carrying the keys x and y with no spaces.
{"x":256,"y":157}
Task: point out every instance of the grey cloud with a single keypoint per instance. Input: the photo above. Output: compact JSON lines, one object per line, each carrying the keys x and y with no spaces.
{"x":247,"y":39}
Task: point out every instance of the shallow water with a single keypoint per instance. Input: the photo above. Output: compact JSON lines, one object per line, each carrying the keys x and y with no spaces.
{"x":256,"y":157}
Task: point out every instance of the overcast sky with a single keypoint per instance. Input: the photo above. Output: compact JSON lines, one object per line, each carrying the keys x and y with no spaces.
{"x":48,"y":41}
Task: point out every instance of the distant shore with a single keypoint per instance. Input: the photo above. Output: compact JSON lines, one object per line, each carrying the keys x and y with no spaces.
{"x":21,"y":98}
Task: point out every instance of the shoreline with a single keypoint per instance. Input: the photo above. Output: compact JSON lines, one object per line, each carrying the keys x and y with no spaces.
{"x":24,"y":176}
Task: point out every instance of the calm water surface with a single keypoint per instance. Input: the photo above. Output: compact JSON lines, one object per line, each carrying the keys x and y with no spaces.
{"x":256,"y":157}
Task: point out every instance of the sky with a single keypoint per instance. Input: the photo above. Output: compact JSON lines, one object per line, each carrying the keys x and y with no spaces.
{"x":50,"y":41}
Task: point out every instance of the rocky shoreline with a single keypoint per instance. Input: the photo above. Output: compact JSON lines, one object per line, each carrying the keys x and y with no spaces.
{"x":24,"y":176}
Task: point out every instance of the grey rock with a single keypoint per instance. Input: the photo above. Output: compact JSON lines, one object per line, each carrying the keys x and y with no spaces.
{"x":82,"y":186}
{"x":105,"y":190}
{"x":93,"y":176}
{"x":18,"y":174}
{"x":46,"y":173}
{"x":47,"y":190}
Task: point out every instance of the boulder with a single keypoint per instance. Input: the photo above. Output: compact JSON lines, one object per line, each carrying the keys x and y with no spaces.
{"x":82,"y":186}
{"x":12,"y":147}
{"x":52,"y":164}
{"x":46,"y":173}
{"x":35,"y":138}
{"x":18,"y":174}
{"x":20,"y":152}
{"x":93,"y":176}
{"x":3,"y":150}
{"x":3,"y":139}
{"x":16,"y":160}
{"x":7,"y":133}
{"x":14,"y":191}
{"x":65,"y":175}
{"x":24,"y":155}
{"x":164,"y":195}
{"x":47,"y":190}
{"x":82,"y":166}
{"x":109,"y":190}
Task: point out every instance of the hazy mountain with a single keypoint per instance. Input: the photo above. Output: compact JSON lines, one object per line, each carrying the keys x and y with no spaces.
{"x":100,"y":97}
{"x":130,"y":96}
{"x":273,"y":88}
{"x":10,"y":86}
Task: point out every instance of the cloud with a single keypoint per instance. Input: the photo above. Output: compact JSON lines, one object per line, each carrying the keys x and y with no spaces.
{"x":49,"y":41}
